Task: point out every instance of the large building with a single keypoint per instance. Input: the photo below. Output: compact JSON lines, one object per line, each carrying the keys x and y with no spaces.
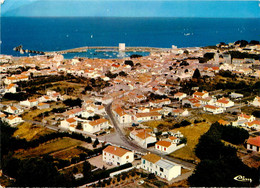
{"x":160,"y":167}
{"x":117,"y":156}
{"x":253,"y":144}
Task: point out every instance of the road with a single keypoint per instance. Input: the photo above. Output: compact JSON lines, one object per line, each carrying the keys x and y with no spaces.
{"x":139,"y":148}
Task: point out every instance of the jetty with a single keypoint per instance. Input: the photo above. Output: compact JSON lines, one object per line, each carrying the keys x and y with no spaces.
{"x":108,"y":48}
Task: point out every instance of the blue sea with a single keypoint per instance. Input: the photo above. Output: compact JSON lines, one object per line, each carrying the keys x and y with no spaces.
{"x":51,"y":34}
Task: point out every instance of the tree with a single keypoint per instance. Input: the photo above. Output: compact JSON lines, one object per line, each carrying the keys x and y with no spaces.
{"x":87,"y":170}
{"x":122,"y":73}
{"x":196,"y":73}
{"x":135,"y":56}
{"x":79,"y":126}
{"x":96,"y":142}
{"x":129,"y":62}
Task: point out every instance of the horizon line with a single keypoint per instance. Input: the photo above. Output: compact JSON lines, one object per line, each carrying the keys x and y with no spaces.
{"x":125,"y":17}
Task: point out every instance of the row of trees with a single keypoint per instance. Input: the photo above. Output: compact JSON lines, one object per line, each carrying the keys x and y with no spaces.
{"x":219,"y":163}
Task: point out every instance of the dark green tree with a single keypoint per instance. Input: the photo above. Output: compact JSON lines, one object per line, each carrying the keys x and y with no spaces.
{"x":196,"y":73}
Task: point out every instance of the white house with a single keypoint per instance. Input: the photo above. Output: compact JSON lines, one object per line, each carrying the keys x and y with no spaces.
{"x":253,"y":144}
{"x":179,"y":95}
{"x":160,"y":167}
{"x":254,"y":124}
{"x":160,"y":102}
{"x":173,"y":139}
{"x":224,"y":102}
{"x":203,"y":94}
{"x":256,"y":102}
{"x":29,"y":103}
{"x":44,"y":98}
{"x":13,"y":120}
{"x":213,"y":109}
{"x":248,"y":118}
{"x":117,"y":156}
{"x":43,"y":105}
{"x":14,"y":110}
{"x":70,"y":123}
{"x":180,"y":112}
{"x":122,"y":116}
{"x":165,"y":146}
{"x":11,"y":88}
{"x":96,"y":126}
{"x":143,"y":137}
{"x":148,"y":116}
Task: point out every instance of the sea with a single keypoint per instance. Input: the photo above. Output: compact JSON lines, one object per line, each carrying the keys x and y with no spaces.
{"x":60,"y":33}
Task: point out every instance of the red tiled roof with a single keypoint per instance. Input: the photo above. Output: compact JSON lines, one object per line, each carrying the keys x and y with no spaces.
{"x":116,"y":150}
{"x":254,"y":141}
{"x":164,"y":143}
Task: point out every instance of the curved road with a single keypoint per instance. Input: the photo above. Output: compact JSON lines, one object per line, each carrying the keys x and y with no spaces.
{"x":137,"y":147}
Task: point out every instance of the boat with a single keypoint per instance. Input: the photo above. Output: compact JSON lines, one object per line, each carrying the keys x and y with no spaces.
{"x":186,"y":34}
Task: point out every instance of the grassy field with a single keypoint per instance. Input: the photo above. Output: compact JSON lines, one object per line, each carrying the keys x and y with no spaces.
{"x":48,"y":148}
{"x":67,"y":154}
{"x":192,"y":133}
{"x":30,"y":132}
{"x":33,"y":113}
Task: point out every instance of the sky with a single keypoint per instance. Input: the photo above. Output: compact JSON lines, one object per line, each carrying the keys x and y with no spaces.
{"x":131,"y":8}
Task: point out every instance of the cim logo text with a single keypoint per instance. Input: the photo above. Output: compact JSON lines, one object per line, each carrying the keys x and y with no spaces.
{"x":242,"y":179}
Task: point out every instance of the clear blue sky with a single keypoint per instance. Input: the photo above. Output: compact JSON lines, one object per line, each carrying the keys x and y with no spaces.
{"x":132,"y":8}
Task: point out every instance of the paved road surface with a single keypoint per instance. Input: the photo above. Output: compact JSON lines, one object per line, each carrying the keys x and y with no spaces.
{"x":139,"y":148}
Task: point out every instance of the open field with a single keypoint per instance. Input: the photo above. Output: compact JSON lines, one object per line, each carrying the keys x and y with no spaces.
{"x":67,"y":154}
{"x":192,"y":133}
{"x":30,"y":114}
{"x":30,"y":132}
{"x":48,"y":147}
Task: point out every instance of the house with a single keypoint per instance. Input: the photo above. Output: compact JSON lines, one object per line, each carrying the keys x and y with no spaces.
{"x":13,"y":120}
{"x":73,"y":112}
{"x":122,"y":116}
{"x":160,"y":167}
{"x":254,"y":125}
{"x":179,"y":95}
{"x":29,"y":103}
{"x":160,"y":102}
{"x":213,"y":109}
{"x":256,"y":102}
{"x":180,"y":112}
{"x":147,"y":116}
{"x":14,"y":110}
{"x":253,"y":144}
{"x":246,"y":117}
{"x":224,"y":102}
{"x":96,"y":126}
{"x":203,"y":94}
{"x":223,"y":122}
{"x":117,"y":156}
{"x":165,"y":146}
{"x":173,"y":139}
{"x":44,"y":98}
{"x":70,"y":123}
{"x":2,"y":116}
{"x":143,"y":137}
{"x":11,"y":88}
{"x":236,"y":95}
{"x":43,"y":105}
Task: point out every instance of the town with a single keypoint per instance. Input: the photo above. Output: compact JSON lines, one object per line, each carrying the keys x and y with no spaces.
{"x":136,"y":122}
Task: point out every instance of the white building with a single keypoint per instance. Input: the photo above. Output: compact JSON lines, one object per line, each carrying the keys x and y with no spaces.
{"x":13,"y":120}
{"x":256,"y":102}
{"x":179,"y":95}
{"x":70,"y":124}
{"x":121,"y":46}
{"x":160,"y":167}
{"x":225,"y":103}
{"x":117,"y":156}
{"x":14,"y":110}
{"x":148,"y":116}
{"x":253,"y":144}
{"x":143,"y":137}
{"x":11,"y":88}
{"x":203,"y":94}
{"x":96,"y":126}
{"x":213,"y":109}
{"x":29,"y":103}
{"x":165,"y":146}
{"x":122,"y":116}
